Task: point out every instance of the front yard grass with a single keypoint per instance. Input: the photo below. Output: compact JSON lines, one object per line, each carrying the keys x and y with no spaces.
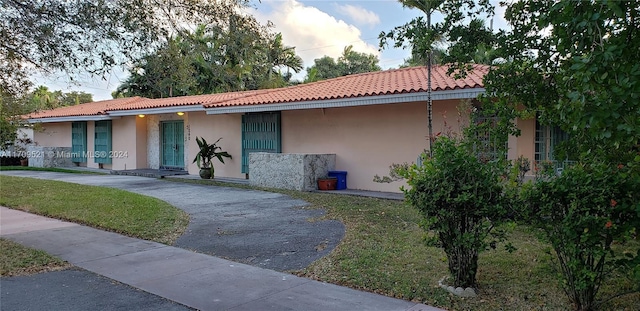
{"x":384,"y":251}
{"x":104,"y":208}
{"x":16,"y":259}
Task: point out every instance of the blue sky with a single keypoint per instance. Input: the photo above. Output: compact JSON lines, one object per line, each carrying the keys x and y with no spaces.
{"x":315,"y":28}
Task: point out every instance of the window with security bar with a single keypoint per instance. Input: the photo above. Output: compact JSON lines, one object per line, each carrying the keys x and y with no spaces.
{"x":488,"y":146}
{"x":547,"y":140}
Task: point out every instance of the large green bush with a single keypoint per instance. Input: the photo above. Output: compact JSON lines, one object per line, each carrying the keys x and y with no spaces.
{"x":462,"y":200}
{"x":584,"y":212}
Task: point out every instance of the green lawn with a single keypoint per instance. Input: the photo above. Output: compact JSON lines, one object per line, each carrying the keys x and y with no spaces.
{"x":16,"y":259}
{"x":106,"y":208}
{"x":383,"y":251}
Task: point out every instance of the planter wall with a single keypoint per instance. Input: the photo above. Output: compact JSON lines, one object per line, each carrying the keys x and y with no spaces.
{"x":49,"y":156}
{"x":294,"y":171}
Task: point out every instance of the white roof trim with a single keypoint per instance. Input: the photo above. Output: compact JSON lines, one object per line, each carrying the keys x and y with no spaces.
{"x":351,"y":102}
{"x":72,"y":118}
{"x":171,"y":109}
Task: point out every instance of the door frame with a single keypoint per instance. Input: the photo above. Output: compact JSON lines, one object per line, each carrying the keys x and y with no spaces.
{"x":161,"y":147}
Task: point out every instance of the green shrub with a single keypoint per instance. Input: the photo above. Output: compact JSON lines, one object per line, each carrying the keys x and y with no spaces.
{"x":584,"y":212}
{"x":462,"y":200}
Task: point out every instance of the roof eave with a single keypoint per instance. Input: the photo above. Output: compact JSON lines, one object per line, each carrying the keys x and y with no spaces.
{"x":467,"y":93}
{"x":72,"y":119}
{"x":160,"y":110}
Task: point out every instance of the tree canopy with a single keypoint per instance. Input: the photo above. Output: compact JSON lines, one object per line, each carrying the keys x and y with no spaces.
{"x":350,"y":62}
{"x":92,"y":36}
{"x":214,"y":59}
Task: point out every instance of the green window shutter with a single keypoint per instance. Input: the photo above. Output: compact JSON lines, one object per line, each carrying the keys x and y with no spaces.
{"x":79,"y":141}
{"x":260,"y":133}
{"x":102,"y":142}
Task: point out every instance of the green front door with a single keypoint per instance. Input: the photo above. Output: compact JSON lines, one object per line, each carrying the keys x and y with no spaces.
{"x":79,"y":141}
{"x":102,"y":142}
{"x":260,"y":133}
{"x":172,"y":145}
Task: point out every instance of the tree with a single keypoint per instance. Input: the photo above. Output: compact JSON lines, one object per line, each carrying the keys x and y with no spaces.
{"x":438,"y":54}
{"x":166,"y":73}
{"x":87,"y":36}
{"x":42,"y":98}
{"x":461,"y":31}
{"x":278,"y":57}
{"x":350,"y":62}
{"x":94,"y":36}
{"x":575,"y":65}
{"x":214,"y":59}
{"x":75,"y":98}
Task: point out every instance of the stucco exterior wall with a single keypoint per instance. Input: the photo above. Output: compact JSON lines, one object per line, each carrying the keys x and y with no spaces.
{"x":526,"y":140}
{"x":141,"y":143}
{"x":153,"y":141}
{"x":367,"y":139}
{"x":123,"y":143}
{"x":212,"y":127}
{"x":53,"y":135}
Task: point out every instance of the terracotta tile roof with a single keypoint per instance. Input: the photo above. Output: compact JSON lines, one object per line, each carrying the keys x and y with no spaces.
{"x":87,"y":109}
{"x":147,"y":103}
{"x":397,"y":81}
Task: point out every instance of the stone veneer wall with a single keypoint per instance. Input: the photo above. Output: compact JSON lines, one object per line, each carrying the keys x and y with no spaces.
{"x":49,"y":156}
{"x":295,"y":171}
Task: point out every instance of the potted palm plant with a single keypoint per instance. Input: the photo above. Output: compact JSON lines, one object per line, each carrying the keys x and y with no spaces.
{"x":205,"y":156}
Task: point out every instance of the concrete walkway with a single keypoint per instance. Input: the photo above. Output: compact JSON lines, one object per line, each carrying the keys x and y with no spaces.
{"x":195,"y":280}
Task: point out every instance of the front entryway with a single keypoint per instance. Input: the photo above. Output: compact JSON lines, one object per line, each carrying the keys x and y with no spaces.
{"x":172,"y":144}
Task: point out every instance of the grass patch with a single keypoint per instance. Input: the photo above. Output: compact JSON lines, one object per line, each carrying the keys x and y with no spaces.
{"x":100,"y":207}
{"x":383,"y":251}
{"x":16,"y":259}
{"x":48,"y":169}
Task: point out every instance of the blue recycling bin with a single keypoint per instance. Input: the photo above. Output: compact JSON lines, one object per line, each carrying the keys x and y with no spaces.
{"x":342,"y":179}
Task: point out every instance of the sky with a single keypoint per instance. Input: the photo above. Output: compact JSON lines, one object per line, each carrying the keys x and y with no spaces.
{"x":315,"y":28}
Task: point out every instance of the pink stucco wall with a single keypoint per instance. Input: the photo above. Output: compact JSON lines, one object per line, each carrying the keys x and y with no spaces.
{"x":366,"y":139}
{"x":124,"y":143}
{"x":526,"y":140}
{"x":53,"y":135}
{"x":212,"y":127}
{"x":141,"y":143}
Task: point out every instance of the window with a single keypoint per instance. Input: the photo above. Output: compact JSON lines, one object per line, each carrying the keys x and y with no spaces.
{"x":489,"y":145}
{"x":547,"y":139}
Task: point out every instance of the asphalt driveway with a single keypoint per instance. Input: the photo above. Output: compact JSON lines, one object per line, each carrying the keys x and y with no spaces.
{"x":77,"y":289}
{"x":259,"y":228}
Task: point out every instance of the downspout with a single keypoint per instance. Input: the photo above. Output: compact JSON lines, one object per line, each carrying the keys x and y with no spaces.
{"x":429,"y":99}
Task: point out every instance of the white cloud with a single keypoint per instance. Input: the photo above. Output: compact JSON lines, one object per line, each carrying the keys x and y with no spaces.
{"x":313,"y":32}
{"x":359,"y":15}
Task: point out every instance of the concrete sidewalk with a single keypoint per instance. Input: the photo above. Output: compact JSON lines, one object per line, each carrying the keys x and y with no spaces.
{"x":195,"y":280}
